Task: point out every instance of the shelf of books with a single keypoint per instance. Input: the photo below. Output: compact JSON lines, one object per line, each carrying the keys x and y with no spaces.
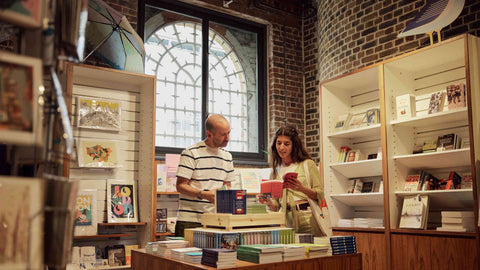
{"x":351,"y":139}
{"x":429,"y":131}
{"x":442,"y":159}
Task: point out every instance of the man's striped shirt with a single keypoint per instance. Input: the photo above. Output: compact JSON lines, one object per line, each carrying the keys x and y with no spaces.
{"x":206,"y":168}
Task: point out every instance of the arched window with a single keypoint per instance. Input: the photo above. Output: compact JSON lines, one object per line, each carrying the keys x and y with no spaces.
{"x":175,"y":54}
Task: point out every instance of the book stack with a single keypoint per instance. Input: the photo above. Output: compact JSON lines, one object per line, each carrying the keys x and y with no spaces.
{"x":457,"y":221}
{"x":165,"y":247}
{"x":219,"y":258}
{"x":179,"y":253}
{"x":344,"y":244}
{"x":304,"y":238}
{"x":152,"y":248}
{"x":316,"y":250}
{"x":260,"y":253}
{"x":292,"y":253}
{"x":345,"y":222}
{"x":231,"y":202}
{"x":368,"y":222}
{"x":193,"y":257}
{"x":414,"y":212}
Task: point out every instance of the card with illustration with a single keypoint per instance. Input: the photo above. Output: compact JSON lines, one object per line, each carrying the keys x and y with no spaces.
{"x":86,"y":212}
{"x":97,"y":153}
{"x":98,"y":113}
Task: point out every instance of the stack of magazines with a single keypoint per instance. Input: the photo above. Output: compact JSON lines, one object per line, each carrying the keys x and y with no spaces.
{"x":165,"y":247}
{"x":193,"y":257}
{"x":219,"y":258}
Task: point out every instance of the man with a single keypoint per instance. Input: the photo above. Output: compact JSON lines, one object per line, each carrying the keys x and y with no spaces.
{"x":203,"y":168}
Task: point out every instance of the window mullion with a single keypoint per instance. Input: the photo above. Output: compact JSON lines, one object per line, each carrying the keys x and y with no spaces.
{"x":205,"y":110}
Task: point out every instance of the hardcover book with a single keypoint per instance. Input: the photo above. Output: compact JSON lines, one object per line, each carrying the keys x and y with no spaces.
{"x":412,"y":182}
{"x":405,"y":106}
{"x":414,"y":212}
{"x":446,"y":142}
{"x":456,"y":96}
{"x":436,"y":102}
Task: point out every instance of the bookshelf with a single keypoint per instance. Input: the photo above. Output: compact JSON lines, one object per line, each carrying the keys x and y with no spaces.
{"x":419,"y":73}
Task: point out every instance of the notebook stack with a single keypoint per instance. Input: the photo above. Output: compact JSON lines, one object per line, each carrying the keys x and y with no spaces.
{"x":219,"y":258}
{"x":193,"y":257}
{"x":179,"y":253}
{"x":260,"y":253}
{"x":368,"y":222}
{"x":343,"y":244}
{"x":292,"y":253}
{"x":151,"y":248}
{"x":457,"y":221}
{"x":165,"y":247}
{"x":304,"y":238}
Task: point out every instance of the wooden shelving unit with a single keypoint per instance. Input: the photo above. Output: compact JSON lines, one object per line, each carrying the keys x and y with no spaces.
{"x":419,"y":73}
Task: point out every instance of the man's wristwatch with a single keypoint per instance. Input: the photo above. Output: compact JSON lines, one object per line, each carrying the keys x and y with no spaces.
{"x":199,"y":195}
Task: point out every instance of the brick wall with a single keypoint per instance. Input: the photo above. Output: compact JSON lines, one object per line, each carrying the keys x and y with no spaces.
{"x":342,"y":37}
{"x":353,"y":34}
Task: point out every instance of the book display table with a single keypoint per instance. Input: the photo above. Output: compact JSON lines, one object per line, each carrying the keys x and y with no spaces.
{"x":144,"y":261}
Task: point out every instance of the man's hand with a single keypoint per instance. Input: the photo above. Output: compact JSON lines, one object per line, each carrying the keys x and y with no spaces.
{"x":209,"y":195}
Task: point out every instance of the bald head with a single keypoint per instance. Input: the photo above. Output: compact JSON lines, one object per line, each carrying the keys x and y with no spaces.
{"x":218,"y":131}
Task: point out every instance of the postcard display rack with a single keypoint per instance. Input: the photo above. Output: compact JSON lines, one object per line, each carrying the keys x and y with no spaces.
{"x":419,"y":73}
{"x":132,"y":139}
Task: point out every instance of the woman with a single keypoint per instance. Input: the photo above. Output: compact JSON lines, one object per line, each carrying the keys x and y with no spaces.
{"x":289,"y":155}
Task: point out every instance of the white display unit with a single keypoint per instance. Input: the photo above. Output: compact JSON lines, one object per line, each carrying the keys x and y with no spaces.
{"x":422,"y":73}
{"x":354,"y":93}
{"x":136,"y":95}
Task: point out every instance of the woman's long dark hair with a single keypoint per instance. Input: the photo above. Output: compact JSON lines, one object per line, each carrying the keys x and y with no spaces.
{"x":299,"y":152}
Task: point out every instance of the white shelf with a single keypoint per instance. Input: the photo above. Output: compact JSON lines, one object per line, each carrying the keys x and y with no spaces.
{"x":459,"y":115}
{"x":114,"y":267}
{"x":434,"y":160}
{"x":444,"y":199}
{"x":367,"y":131}
{"x":362,"y":168}
{"x":360,"y":199}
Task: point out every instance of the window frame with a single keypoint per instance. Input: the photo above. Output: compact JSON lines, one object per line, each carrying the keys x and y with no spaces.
{"x":207,"y":15}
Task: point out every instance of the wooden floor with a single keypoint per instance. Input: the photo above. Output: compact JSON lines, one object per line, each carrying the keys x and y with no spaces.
{"x":145,"y":261}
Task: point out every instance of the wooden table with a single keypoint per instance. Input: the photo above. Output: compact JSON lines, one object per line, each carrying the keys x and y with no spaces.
{"x":144,"y":261}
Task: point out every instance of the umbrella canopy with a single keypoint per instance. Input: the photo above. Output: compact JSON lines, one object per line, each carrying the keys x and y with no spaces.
{"x":110,"y":37}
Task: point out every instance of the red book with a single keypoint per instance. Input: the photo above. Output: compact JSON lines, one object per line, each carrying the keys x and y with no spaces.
{"x":272,"y":187}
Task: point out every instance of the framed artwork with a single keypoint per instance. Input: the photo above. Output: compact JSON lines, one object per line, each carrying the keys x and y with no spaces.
{"x":97,"y":154}
{"x":25,"y":13}
{"x":22,"y":222}
{"x":20,"y":114}
{"x":98,"y":114}
{"x":86,"y":212}
{"x":121,"y":201}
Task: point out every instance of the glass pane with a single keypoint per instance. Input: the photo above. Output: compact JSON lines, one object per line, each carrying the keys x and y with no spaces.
{"x":173,"y":54}
{"x":233,"y":77}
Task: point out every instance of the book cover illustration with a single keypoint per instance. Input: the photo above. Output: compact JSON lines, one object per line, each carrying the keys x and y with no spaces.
{"x":405,"y":106}
{"x":414,"y":212}
{"x":373,"y":116}
{"x":271,"y":189}
{"x":436,"y":102}
{"x":85,"y":213}
{"x":456,"y":96}
{"x":412,"y":182}
{"x":342,"y":121}
{"x":121,"y":201}
{"x":99,"y":114}
{"x":93,"y":153}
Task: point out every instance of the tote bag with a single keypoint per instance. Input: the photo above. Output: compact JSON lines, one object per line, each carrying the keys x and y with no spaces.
{"x":319,"y":209}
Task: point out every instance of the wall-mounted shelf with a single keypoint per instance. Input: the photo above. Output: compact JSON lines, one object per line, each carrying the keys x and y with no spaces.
{"x":445,"y":159}
{"x":444,"y":199}
{"x":368,"y":131}
{"x":433,"y":232}
{"x":356,"y":229}
{"x":360,"y":199}
{"x":459,"y":115}
{"x":117,"y":235}
{"x":123,"y":224}
{"x":362,"y":168}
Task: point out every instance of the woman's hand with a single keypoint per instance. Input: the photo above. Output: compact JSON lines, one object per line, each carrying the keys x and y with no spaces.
{"x":293,"y":183}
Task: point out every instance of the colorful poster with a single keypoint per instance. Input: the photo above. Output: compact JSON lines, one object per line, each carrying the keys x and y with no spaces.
{"x":86,"y":213}
{"x":122,"y":205}
{"x":97,"y":153}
